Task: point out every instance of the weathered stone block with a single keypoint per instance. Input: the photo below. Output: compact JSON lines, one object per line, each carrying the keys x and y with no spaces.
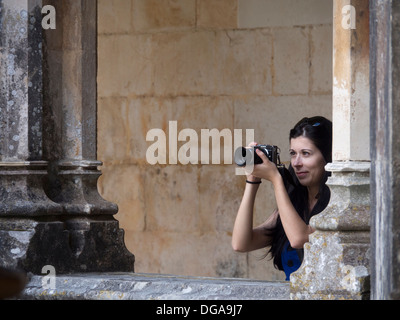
{"x":184,"y":63}
{"x":243,"y":62}
{"x":350,"y":201}
{"x":261,"y":267}
{"x":173,"y":186}
{"x":113,"y":129}
{"x":326,"y":272}
{"x":283,"y":13}
{"x":156,"y":252}
{"x":125,"y":185}
{"x":321,"y":52}
{"x":153,"y":15}
{"x":145,"y":114}
{"x":69,"y":246}
{"x":114,"y":16}
{"x":291,"y":71}
{"x":220,"y":193}
{"x":197,"y":249}
{"x":130,"y":72}
{"x":217,"y":14}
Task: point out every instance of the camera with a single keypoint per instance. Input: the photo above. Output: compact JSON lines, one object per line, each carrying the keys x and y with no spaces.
{"x":245,"y":156}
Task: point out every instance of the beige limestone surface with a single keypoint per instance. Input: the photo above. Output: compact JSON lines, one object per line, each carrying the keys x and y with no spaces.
{"x":204,"y":65}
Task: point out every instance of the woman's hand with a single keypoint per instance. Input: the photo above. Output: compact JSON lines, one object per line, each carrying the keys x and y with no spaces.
{"x":266,"y":170}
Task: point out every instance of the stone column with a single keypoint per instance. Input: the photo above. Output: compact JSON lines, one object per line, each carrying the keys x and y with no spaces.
{"x":385,"y":149}
{"x":21,"y":162}
{"x":22,"y":168}
{"x":70,"y":106}
{"x":51,"y":212}
{"x":336,"y":261}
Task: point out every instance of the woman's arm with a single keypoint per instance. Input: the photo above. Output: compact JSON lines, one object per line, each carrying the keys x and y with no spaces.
{"x":295,"y":228}
{"x":245,"y":238}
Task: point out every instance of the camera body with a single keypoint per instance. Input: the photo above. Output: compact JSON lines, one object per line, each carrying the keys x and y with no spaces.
{"x":244,"y":156}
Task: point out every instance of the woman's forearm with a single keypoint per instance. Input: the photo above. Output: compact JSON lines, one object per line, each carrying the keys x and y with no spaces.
{"x":242,"y":236}
{"x":295,"y":228}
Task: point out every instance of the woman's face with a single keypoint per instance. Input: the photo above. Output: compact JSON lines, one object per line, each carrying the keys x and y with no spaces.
{"x":307,"y":161}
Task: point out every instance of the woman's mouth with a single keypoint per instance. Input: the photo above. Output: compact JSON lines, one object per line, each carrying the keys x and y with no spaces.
{"x":301,"y":174}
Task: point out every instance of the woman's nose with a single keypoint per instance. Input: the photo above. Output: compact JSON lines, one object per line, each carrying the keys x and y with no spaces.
{"x":297,"y":161}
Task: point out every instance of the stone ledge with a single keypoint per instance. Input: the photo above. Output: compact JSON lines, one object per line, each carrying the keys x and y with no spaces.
{"x":135,"y":286}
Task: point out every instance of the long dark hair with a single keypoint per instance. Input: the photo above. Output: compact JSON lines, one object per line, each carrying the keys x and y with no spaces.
{"x":319,"y":131}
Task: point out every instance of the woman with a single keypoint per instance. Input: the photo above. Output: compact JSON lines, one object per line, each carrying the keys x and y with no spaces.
{"x":287,"y":229}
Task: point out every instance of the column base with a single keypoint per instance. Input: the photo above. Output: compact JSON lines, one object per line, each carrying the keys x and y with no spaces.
{"x":21,"y":190}
{"x":73,"y":185}
{"x":336,"y":261}
{"x":335,"y":267}
{"x":31,"y":244}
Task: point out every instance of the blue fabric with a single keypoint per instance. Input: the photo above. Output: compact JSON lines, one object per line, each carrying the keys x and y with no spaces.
{"x":290,"y":260}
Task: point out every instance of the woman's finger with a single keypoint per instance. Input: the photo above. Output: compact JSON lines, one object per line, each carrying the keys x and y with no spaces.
{"x":262,"y":155}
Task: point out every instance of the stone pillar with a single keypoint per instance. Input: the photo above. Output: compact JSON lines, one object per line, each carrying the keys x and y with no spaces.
{"x":22,"y":168}
{"x":50,"y":210}
{"x":336,"y":261}
{"x":385,"y":149}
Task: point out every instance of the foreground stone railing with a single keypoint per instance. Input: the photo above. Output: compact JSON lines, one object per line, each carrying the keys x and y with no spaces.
{"x":136,"y":286}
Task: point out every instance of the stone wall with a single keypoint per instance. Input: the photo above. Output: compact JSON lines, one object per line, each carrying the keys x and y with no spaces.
{"x":205,"y":64}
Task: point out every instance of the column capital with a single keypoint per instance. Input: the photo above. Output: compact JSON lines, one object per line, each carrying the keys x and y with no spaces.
{"x":348,"y":166}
